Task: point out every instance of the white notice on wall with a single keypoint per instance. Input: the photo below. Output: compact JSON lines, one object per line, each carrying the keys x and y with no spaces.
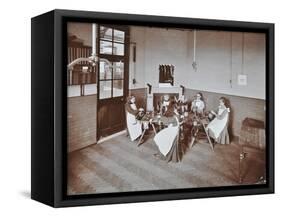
{"x":242,"y":79}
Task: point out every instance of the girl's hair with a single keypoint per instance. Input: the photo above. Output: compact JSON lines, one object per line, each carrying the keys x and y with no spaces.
{"x":129,"y":98}
{"x":201,"y":96}
{"x":170,"y":109}
{"x":225,"y":101}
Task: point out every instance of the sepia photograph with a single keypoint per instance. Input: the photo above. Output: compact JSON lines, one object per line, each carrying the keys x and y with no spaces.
{"x":159,"y":108}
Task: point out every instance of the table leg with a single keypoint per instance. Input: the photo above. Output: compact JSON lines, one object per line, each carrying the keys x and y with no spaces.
{"x":139,"y":142}
{"x":210,"y":142}
{"x":153,"y":127}
{"x":193,"y":139}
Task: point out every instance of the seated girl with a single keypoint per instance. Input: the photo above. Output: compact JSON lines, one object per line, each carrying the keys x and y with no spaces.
{"x":164,"y":104}
{"x":198,"y":105}
{"x":167,"y":140}
{"x":182,"y":106}
{"x":217,"y":128}
{"x":132,"y":114}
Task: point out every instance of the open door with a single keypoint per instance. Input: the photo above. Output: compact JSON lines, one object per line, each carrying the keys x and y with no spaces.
{"x":113,"y":45}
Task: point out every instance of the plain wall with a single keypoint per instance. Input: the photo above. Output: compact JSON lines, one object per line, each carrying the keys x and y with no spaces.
{"x":137,"y":69}
{"x":217,"y":63}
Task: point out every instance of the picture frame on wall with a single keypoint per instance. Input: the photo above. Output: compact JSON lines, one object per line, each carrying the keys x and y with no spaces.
{"x":135,"y":108}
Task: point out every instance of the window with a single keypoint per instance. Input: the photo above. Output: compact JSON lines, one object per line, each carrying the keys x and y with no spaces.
{"x":112,"y":48}
{"x":112,"y":41}
{"x":111,"y":80}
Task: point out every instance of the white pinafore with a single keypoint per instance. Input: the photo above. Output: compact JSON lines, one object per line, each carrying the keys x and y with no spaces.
{"x":134,"y":126}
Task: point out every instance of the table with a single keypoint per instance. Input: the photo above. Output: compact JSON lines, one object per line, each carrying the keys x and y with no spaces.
{"x":198,"y":122}
{"x":150,"y":119}
{"x":146,"y":120}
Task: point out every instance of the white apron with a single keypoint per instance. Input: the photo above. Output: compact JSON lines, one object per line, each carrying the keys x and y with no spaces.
{"x":165,"y":139}
{"x":133,"y":125}
{"x":217,"y":125}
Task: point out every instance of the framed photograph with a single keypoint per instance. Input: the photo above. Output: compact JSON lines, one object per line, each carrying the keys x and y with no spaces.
{"x":134,"y":108}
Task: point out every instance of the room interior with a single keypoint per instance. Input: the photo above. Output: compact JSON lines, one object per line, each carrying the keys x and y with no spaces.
{"x":101,"y":156}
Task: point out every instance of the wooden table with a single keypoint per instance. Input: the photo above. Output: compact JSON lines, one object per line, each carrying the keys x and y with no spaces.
{"x":145,"y":122}
{"x":150,"y":119}
{"x":201,"y":122}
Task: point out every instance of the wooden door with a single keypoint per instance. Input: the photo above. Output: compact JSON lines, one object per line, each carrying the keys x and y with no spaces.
{"x":113,"y":45}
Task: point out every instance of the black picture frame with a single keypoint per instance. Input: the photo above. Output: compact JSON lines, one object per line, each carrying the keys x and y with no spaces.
{"x":49,"y":108}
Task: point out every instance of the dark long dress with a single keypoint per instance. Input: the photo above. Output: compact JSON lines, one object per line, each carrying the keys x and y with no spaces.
{"x":175,"y":154}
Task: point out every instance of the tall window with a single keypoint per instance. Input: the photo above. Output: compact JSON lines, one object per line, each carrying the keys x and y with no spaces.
{"x":112,"y":48}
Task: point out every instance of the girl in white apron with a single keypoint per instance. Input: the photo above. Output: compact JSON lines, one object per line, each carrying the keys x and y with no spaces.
{"x":217,"y":128}
{"x":167,"y":140}
{"x":133,"y":125}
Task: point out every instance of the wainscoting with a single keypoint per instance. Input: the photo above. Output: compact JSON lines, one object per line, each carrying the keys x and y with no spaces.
{"x":81,"y":121}
{"x":82,"y":113}
{"x":241,"y":107}
{"x":141,"y":96}
{"x":157,"y":97}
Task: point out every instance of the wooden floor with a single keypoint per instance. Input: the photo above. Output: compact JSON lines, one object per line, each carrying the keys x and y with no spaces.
{"x":118,"y":165}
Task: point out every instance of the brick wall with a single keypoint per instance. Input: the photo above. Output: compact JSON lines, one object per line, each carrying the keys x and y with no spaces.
{"x":81,"y":121}
{"x":241,"y":107}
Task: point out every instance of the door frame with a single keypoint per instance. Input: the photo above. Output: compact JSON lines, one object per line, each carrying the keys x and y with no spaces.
{"x":126,"y":57}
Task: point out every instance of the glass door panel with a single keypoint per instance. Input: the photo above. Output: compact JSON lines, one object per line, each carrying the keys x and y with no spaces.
{"x":105,"y":89}
{"x":105,"y":47}
{"x":105,"y":71}
{"x":119,"y":36}
{"x":118,"y":88}
{"x":118,"y":49}
{"x":105,"y":33}
{"x":118,"y":70}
